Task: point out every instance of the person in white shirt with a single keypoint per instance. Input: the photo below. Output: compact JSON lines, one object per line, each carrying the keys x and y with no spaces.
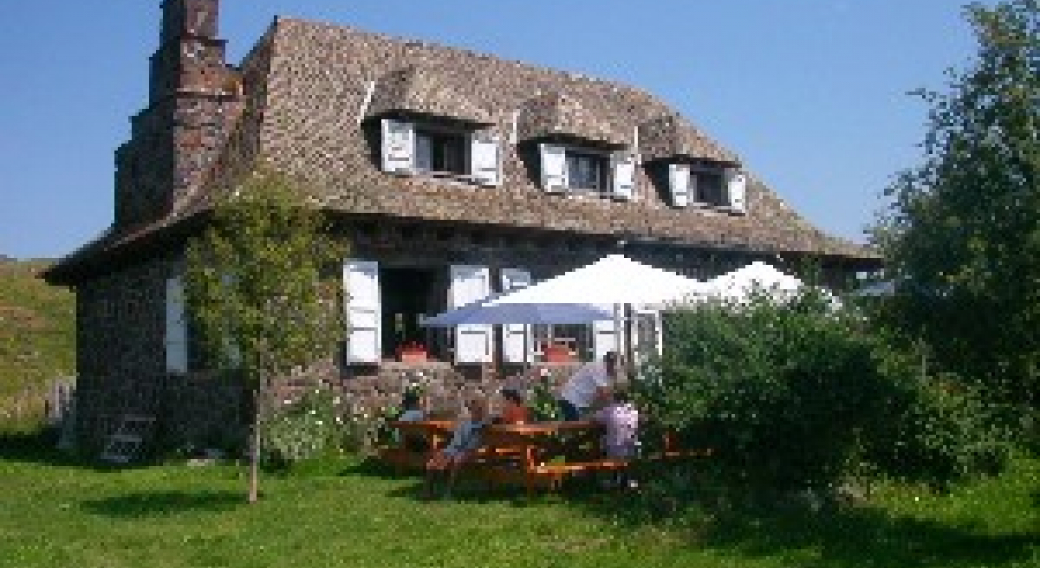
{"x":579,"y":392}
{"x":620,"y":421}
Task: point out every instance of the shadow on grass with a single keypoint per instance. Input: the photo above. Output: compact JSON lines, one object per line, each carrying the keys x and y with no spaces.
{"x":865,"y":538}
{"x":372,"y":467}
{"x":148,"y":504}
{"x":861,"y":536}
{"x":39,"y":446}
{"x":468,"y":488}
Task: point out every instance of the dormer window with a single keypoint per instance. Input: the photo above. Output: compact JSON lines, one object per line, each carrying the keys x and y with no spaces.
{"x":442,"y":152}
{"x":412,"y":146}
{"x":707,"y":185}
{"x":581,"y":170}
{"x":586,"y":172}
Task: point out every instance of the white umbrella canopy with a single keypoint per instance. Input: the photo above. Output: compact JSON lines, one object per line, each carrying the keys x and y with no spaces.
{"x":740,"y":283}
{"x":480,"y":312}
{"x":614,"y":279}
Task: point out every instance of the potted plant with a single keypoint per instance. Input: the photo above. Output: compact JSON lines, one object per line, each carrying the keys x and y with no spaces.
{"x":556,"y":353}
{"x":412,"y":352}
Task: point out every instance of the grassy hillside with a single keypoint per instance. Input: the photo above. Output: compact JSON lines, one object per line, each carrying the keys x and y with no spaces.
{"x":37,"y":322}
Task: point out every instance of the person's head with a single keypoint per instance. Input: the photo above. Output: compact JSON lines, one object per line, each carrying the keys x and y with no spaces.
{"x":604,"y":396}
{"x":513,"y":396}
{"x":410,"y":401}
{"x":477,"y":408}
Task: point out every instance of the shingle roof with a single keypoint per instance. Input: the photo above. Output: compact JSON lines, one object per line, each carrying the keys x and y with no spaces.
{"x":553,"y":115}
{"x":673,"y":137}
{"x":306,"y":86}
{"x":316,"y":89}
{"x":428,"y":90}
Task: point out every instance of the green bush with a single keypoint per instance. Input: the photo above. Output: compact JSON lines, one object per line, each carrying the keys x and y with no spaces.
{"x":797,"y":395}
{"x":303,"y":429}
{"x":542,"y":400}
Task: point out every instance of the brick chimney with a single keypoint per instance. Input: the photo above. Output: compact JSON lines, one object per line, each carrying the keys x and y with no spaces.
{"x":194,"y":99}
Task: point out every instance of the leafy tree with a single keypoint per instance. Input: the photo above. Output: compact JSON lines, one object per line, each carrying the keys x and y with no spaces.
{"x":796,"y":396}
{"x":962,"y":234}
{"x":256,"y":292}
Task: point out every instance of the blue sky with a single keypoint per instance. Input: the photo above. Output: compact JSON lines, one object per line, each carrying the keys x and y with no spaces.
{"x":810,"y":93}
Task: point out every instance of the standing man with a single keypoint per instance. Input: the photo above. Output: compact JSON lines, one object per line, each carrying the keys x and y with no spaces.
{"x":579,"y":392}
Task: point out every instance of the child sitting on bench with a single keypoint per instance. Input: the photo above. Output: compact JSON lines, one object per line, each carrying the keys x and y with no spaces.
{"x":465,"y":441}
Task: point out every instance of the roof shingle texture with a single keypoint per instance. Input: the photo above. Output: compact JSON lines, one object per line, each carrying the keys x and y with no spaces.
{"x":305,"y":87}
{"x":316,"y":88}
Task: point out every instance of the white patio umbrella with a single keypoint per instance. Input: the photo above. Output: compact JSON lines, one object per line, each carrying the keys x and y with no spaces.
{"x":740,"y":283}
{"x":480,"y":312}
{"x":614,"y":279}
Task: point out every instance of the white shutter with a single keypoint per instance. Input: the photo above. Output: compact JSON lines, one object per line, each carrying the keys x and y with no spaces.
{"x":648,"y":336}
{"x":176,"y":327}
{"x":604,"y":335}
{"x":484,"y":159}
{"x":624,"y":175}
{"x":469,"y":284}
{"x":398,"y":146}
{"x":679,"y":184}
{"x":554,"y":167}
{"x":517,"y":341}
{"x":363,"y":311}
{"x":736,"y":185}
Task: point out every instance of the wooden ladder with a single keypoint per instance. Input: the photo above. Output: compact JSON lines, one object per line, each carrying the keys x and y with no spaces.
{"x":124,"y":445}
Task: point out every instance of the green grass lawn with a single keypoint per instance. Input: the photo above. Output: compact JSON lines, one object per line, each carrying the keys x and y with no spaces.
{"x":349,"y":514}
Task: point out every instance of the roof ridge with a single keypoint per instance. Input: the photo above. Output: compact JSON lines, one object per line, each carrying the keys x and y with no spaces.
{"x":574,"y":75}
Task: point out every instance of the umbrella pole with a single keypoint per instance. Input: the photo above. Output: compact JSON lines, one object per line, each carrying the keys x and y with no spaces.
{"x":619,"y":344}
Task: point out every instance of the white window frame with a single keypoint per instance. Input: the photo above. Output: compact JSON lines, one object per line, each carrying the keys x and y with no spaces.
{"x":517,"y":338}
{"x":364,"y":318}
{"x":474,"y":343}
{"x":176,"y":335}
{"x":620,"y":169}
{"x":733,"y":181}
{"x":481,"y":151}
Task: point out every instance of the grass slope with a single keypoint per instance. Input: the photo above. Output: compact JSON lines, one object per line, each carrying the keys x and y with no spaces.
{"x":37,"y":339}
{"x":350,"y":515}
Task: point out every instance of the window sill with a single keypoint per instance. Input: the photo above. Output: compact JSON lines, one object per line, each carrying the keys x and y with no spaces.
{"x":720,"y":208}
{"x":458,"y":179}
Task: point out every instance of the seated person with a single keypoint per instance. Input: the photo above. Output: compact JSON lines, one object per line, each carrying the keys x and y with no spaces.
{"x":579,"y":392}
{"x":410,"y":408}
{"x":513,"y":409}
{"x":464,"y":442}
{"x":621,"y":422}
{"x":414,"y":442}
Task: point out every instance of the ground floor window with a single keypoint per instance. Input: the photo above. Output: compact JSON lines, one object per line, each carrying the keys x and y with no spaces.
{"x":407,"y":296}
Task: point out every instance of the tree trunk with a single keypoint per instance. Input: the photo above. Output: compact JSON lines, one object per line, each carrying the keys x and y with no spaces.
{"x":254,"y":450}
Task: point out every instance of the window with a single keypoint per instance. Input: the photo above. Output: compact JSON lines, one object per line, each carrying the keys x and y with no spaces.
{"x":413,"y":148}
{"x":586,"y":172}
{"x":440,"y":152}
{"x":709,"y":186}
{"x":566,"y":169}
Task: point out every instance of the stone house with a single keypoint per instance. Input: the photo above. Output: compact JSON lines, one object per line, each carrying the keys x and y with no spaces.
{"x":453,"y":173}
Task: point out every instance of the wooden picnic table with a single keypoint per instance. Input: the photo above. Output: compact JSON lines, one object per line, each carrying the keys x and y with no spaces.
{"x":534,"y":455}
{"x":415,"y":441}
{"x":548,"y":452}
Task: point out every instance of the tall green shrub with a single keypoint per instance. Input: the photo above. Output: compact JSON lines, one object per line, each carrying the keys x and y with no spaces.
{"x":792,"y":395}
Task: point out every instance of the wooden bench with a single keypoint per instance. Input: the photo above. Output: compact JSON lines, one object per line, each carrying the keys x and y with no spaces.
{"x":522,"y":454}
{"x":414,"y":443}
